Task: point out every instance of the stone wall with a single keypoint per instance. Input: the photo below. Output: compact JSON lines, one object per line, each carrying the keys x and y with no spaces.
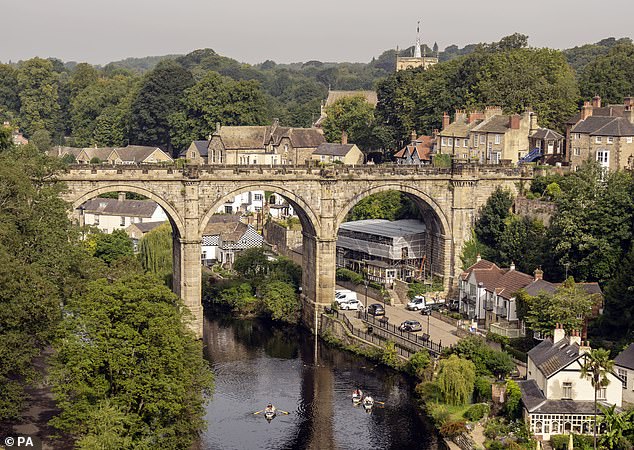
{"x":286,"y":242}
{"x":535,"y":209}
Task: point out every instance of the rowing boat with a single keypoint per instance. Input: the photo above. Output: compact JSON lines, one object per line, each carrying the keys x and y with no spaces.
{"x":357,"y":396}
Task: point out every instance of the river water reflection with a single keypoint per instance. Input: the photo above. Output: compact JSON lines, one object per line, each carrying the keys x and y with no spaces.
{"x":256,"y":363}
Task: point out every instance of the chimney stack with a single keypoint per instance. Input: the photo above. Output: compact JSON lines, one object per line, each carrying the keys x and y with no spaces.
{"x":413,"y":135}
{"x":121,"y":196}
{"x":512,"y":267}
{"x":344,"y":137}
{"x":629,"y":109}
{"x":586,"y":111}
{"x":491,"y":111}
{"x":558,"y":333}
{"x":596,"y":101}
{"x":575,"y":338}
{"x":585,"y":347}
{"x":461,"y":115}
{"x":445,"y":120}
{"x":539,"y":274}
{"x":475,"y":115}
{"x":514,"y":122}
{"x":478,"y":257}
{"x":217,"y":127}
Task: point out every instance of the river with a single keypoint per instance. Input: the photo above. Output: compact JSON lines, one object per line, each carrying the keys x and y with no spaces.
{"x":256,"y":363}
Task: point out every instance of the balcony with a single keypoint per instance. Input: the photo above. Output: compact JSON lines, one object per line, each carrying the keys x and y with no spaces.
{"x":501,"y":311}
{"x":509,"y":330}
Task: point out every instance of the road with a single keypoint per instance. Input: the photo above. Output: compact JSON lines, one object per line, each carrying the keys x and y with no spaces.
{"x":438,"y":330}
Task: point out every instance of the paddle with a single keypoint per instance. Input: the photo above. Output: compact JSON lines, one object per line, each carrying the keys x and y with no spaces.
{"x":283,"y":412}
{"x":258,"y":412}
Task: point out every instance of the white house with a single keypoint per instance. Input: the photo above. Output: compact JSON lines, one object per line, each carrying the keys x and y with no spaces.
{"x":556,"y":398}
{"x":224,"y":237}
{"x":109,"y":214}
{"x":242,"y":203}
{"x":624,"y":366}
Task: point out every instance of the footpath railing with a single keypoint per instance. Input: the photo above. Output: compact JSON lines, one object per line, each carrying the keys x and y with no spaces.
{"x":379,"y":332}
{"x":386,"y":329}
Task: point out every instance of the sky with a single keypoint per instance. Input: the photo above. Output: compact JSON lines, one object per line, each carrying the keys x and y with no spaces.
{"x":252,"y":31}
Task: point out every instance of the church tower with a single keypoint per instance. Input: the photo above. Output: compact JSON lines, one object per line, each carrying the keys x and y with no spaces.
{"x":417,"y":59}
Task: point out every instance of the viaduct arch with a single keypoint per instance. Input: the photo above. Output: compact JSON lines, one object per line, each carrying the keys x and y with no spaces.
{"x":322,"y":197}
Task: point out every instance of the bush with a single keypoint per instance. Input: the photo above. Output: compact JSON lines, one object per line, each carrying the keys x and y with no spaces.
{"x":494,"y":337}
{"x":442,"y":161}
{"x":580,"y":441}
{"x":495,"y":427}
{"x":439,"y":413}
{"x":453,"y":428}
{"x":418,"y":362}
{"x":482,"y":389}
{"x":513,"y":407}
{"x":429,"y":391}
{"x":495,"y":445}
{"x":476,"y":412}
{"x":349,"y":275}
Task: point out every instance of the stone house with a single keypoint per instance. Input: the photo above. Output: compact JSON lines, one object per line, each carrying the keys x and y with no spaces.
{"x":489,"y":137}
{"x":609,"y":140}
{"x":266,"y":145}
{"x":547,"y":145}
{"x":139,"y":229}
{"x":109,"y":214}
{"x":132,"y":154}
{"x":338,"y":153}
{"x":556,"y":399}
{"x":487,"y":295}
{"x":418,"y":151}
{"x":224,"y":237}
{"x":624,"y":366}
{"x":595,"y":108}
{"x":196,"y":152}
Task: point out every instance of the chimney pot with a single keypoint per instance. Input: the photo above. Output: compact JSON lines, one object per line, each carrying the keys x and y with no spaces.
{"x":539,"y":274}
{"x":596,"y":101}
{"x":121,"y":196}
{"x":512,"y":267}
{"x":478,"y":257}
{"x":217,"y":127}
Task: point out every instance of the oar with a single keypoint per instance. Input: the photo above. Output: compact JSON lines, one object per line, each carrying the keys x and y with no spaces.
{"x":258,"y":412}
{"x":380,"y":403}
{"x":283,"y":412}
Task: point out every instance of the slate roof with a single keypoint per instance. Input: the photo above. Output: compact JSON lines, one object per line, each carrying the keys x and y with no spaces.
{"x":532,"y":395}
{"x":305,"y":137}
{"x":116,"y":207}
{"x":242,"y":137}
{"x":459,"y":129}
{"x":604,"y":126}
{"x":252,"y":137}
{"x":202,"y":147}
{"x":496,"y":124}
{"x":370,"y":96}
{"x":546,"y":133}
{"x":538,"y":286}
{"x":626,"y":358}
{"x":137,"y":153}
{"x":333,"y":149}
{"x":145,"y":227}
{"x":228,"y":231}
{"x":605,"y":111}
{"x":550,"y":358}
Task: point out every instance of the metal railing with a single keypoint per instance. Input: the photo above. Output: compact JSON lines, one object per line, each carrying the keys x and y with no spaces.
{"x":405,"y":338}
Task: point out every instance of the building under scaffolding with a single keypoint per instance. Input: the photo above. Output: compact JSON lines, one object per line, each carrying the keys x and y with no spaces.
{"x":384,"y":250}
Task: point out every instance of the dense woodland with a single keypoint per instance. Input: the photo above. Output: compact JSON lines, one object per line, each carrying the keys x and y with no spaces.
{"x":169,"y":101}
{"x":126,"y":371}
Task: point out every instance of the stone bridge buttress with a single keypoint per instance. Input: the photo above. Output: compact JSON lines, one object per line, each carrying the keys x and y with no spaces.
{"x":448,"y":198}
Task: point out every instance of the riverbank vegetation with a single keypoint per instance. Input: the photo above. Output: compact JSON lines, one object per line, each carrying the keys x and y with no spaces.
{"x":258,"y":284}
{"x":126,"y":371}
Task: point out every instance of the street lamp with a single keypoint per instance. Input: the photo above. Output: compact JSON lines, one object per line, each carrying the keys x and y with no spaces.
{"x":428,"y":323}
{"x":366,"y":282}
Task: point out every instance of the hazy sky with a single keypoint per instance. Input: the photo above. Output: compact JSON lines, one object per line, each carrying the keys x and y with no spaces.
{"x":291,"y":30}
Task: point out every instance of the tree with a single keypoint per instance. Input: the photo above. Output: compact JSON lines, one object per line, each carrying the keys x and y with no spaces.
{"x":616,"y":424}
{"x":112,"y":247}
{"x":280,"y":301}
{"x":513,"y":405}
{"x":126,"y":355}
{"x":618,"y":317}
{"x":390,"y":205}
{"x":42,"y":140}
{"x":352,"y":115}
{"x":9,"y":94}
{"x":596,"y":367}
{"x":570,"y":305}
{"x":160,"y":96}
{"x":39,"y":108}
{"x":491,"y":222}
{"x":155,"y":251}
{"x":252,"y":264}
{"x":486,"y":360}
{"x":456,"y":379}
{"x":5,"y":138}
{"x":611,"y":75}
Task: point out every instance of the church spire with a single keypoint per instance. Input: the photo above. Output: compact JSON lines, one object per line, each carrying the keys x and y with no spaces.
{"x":417,"y":47}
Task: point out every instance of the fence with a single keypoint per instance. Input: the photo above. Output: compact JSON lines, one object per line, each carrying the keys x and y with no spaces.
{"x":380,"y":331}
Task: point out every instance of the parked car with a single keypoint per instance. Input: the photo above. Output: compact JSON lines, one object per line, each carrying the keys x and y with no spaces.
{"x":376,"y":309}
{"x":346,"y":296}
{"x":411,"y":325}
{"x":426,"y":311}
{"x":454,"y":305}
{"x":352,"y":304}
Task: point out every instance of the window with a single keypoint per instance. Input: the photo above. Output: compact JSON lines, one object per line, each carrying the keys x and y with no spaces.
{"x":623,"y":376}
{"x":193,"y":154}
{"x":475,"y":140}
{"x":122,"y":222}
{"x":257,"y":197}
{"x":628,"y":139}
{"x":443,"y":142}
{"x":258,"y":208}
{"x":576,"y":151}
{"x":228,"y":209}
{"x":597,"y":139}
{"x":203,"y":256}
{"x":465,"y":143}
{"x":603,"y":157}
{"x":566,"y":390}
{"x":576,"y":136}
{"x":450,"y":142}
{"x":610,"y":140}
{"x":497,"y":138}
{"x":602,"y":393}
{"x":96,"y":219}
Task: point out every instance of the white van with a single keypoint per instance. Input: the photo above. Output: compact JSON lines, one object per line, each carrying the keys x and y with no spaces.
{"x":351,"y":303}
{"x":346,"y":296}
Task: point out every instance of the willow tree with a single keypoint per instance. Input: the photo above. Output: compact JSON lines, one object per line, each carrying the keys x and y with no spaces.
{"x":155,"y":251}
{"x":456,"y":379}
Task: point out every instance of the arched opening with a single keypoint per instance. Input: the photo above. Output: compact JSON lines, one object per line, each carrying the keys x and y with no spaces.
{"x":150,"y":224}
{"x":283,"y":223}
{"x":393,"y":236}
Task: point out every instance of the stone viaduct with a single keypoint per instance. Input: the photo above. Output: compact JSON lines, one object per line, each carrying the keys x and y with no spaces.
{"x":322,"y":197}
